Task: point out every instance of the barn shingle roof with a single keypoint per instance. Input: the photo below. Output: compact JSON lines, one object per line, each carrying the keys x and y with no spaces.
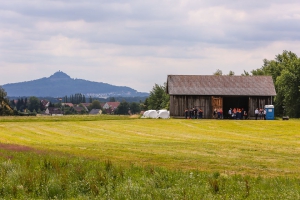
{"x":220,"y":85}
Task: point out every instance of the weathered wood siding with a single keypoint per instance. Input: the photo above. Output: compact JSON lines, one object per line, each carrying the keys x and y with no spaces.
{"x":178,"y":103}
{"x":257,"y":102}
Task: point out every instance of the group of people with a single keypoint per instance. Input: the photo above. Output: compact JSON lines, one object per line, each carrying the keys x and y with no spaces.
{"x":193,"y":113}
{"x":237,"y":113}
{"x":218,"y":113}
{"x":261,"y":113}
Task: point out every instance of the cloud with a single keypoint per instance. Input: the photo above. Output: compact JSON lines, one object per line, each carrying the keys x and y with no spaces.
{"x":138,"y":43}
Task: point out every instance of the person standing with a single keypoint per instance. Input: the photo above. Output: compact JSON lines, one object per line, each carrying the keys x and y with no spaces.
{"x":234,"y":113}
{"x":230,"y":113}
{"x":195,"y":113}
{"x":221,"y":113}
{"x":215,"y":114}
{"x":238,"y":113}
{"x":191,"y":113}
{"x":200,"y":113}
{"x":261,"y":113}
{"x":256,"y":112}
{"x":218,"y":113}
{"x":245,"y":114}
{"x":265,"y":113}
{"x":242,"y":113}
{"x":186,"y":112}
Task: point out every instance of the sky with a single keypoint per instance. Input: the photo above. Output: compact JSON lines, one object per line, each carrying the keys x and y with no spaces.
{"x":138,"y":43}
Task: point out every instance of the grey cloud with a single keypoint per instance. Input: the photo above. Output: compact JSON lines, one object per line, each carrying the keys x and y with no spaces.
{"x":156,"y":24}
{"x":129,"y":30}
{"x":90,"y":11}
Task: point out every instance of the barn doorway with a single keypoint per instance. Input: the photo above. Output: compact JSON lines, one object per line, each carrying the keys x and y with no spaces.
{"x":235,"y":102}
{"x":217,"y":103}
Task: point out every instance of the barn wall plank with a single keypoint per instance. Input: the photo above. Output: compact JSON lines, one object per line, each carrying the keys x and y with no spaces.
{"x":178,"y":103}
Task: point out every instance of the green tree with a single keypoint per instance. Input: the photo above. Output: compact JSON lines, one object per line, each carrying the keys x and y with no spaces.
{"x":95,"y":105}
{"x":123,"y":108}
{"x":218,"y":72}
{"x":231,"y":73}
{"x":144,"y":106}
{"x":57,"y":105}
{"x":285,"y":71}
{"x":34,"y":104}
{"x":51,"y":104}
{"x":112,"y":99}
{"x":158,"y":98}
{"x":18,"y":104}
{"x":135,"y":108}
{"x":22,"y":106}
{"x":245,"y":73}
{"x":12,"y":104}
{"x":5,"y":109}
{"x":25,"y":103}
{"x":2,"y":93}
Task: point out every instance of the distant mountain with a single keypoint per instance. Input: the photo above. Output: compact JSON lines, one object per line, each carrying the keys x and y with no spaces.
{"x":60,"y":84}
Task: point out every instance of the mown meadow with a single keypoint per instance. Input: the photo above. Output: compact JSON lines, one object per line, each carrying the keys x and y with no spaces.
{"x":118,"y":157}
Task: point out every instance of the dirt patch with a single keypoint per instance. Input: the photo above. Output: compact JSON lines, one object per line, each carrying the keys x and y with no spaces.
{"x":24,"y":149}
{"x":15,"y":147}
{"x":18,"y":148}
{"x":135,"y":116}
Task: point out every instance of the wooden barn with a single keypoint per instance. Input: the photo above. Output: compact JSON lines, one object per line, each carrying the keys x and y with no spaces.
{"x":210,"y":92}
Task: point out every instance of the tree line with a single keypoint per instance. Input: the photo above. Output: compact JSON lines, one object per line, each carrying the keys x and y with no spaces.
{"x":284,"y":69}
{"x":76,"y":99}
{"x":34,"y":105}
{"x":285,"y":72}
{"x":5,"y":109}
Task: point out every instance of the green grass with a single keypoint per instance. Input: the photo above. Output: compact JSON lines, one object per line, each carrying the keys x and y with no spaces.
{"x":229,"y":159}
{"x":49,"y":176}
{"x":45,"y":118}
{"x":265,"y":148}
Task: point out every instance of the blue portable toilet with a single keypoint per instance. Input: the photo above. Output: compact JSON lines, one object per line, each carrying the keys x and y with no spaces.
{"x":270,"y":112}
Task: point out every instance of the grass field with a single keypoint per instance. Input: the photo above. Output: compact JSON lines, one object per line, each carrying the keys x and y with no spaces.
{"x":217,"y":148}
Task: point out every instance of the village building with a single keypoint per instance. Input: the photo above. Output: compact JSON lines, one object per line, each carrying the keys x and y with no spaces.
{"x":102,"y":104}
{"x":54,"y":111}
{"x":45,"y":103}
{"x":209,"y":92}
{"x":110,"y":107}
{"x":68,"y":104}
{"x":86,"y":105}
{"x":95,"y":112}
{"x":79,"y":109}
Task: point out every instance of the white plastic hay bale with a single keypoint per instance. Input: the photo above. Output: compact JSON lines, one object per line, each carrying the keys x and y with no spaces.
{"x":150,"y":114}
{"x":146,"y":114}
{"x":153,"y":114}
{"x":163,"y":114}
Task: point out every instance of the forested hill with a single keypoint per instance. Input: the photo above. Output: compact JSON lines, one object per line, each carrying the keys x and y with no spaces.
{"x":60,"y":84}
